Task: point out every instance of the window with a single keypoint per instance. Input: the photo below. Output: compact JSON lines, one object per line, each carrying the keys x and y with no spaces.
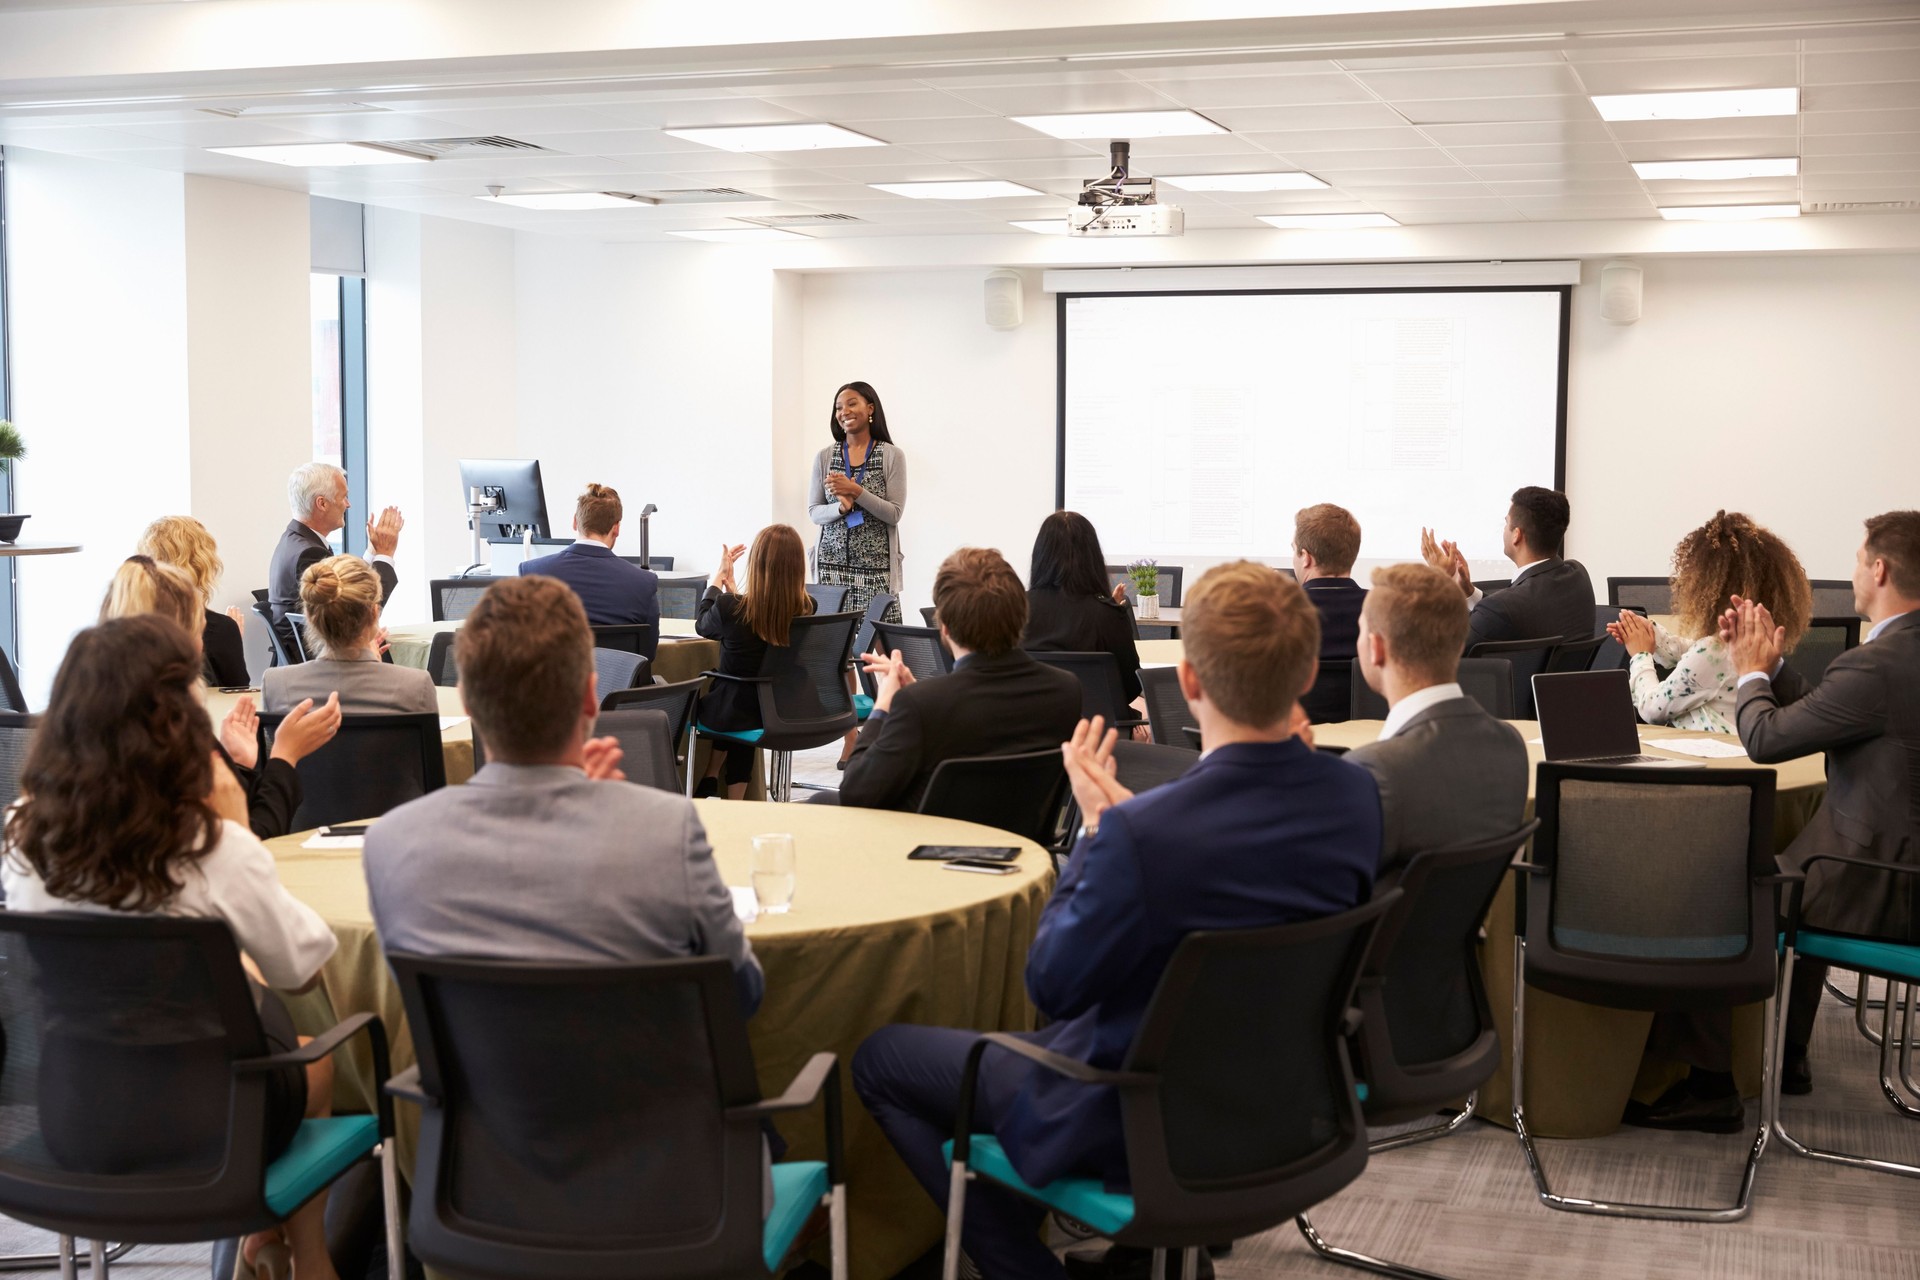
{"x":339,"y":335}
{"x":9,"y":630}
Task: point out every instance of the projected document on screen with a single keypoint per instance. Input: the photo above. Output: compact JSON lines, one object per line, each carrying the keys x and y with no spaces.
{"x":1196,"y":426}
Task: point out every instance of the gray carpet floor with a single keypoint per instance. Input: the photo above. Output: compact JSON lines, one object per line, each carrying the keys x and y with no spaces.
{"x":1464,"y":1205}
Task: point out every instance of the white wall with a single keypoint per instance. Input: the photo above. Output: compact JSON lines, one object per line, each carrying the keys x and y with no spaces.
{"x":99,"y":299}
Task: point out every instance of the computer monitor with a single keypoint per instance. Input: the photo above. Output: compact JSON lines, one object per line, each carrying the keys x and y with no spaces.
{"x":516,"y":483}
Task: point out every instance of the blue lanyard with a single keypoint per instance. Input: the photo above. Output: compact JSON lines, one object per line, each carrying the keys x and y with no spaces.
{"x":859,"y":477}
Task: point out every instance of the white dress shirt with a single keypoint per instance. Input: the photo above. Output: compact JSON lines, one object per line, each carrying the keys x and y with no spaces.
{"x":1473,"y":601}
{"x":1414,"y":703}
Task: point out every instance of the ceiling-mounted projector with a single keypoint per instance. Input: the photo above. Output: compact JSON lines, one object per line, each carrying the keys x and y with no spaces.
{"x":1122,"y":205}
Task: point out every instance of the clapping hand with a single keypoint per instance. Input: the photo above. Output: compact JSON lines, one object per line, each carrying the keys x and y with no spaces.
{"x":1089,"y":760}
{"x":1301,"y":726}
{"x":1120,"y":592}
{"x":723,"y":576}
{"x":891,"y":674}
{"x":240,"y":732}
{"x":601,"y":757}
{"x":239,"y":618}
{"x":843,"y":487}
{"x":1634,"y":632}
{"x":307,"y":728}
{"x":1757,"y":644}
{"x":1447,"y":558}
{"x":383,"y":532}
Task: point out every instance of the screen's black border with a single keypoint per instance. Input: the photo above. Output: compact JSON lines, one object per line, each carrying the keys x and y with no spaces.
{"x":1060,"y":357}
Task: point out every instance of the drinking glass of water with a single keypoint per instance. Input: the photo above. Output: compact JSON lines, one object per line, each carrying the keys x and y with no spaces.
{"x":773,"y":873}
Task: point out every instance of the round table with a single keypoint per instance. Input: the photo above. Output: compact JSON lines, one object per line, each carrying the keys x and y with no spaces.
{"x":872,"y":939}
{"x":13,"y":550}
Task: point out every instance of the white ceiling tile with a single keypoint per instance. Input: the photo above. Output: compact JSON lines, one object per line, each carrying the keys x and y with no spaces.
{"x":1545,"y":80}
{"x":1259,"y":162}
{"x":1199,"y":144}
{"x":209,"y":132}
{"x":1713,"y":148}
{"x":1491,"y":58}
{"x":78,"y":140}
{"x":1277,"y":201}
{"x":1275,"y":67}
{"x":1861,"y":194}
{"x":1494,"y":110}
{"x":700,"y":113}
{"x":1355,"y":115}
{"x":1517,"y":133}
{"x":1606,"y":51}
{"x":1361,"y":179}
{"x":1619,"y":191}
{"x":1616,"y":172}
{"x":1408,"y":216}
{"x":923,"y":104}
{"x":1538,"y":153}
{"x":1852,"y":68}
{"x":1315,"y":141}
{"x":512,"y":120}
{"x":1030,"y":171}
{"x":1861,"y":143}
{"x":1730,"y":129}
{"x":830,"y":84}
{"x":1046,"y":100}
{"x":1904,"y":36}
{"x":1027,"y":148}
{"x":379,"y":126}
{"x":1672,"y":75}
{"x":1829,"y":123}
{"x":1734,"y":191}
{"x":1399,"y":158}
{"x":706,"y":159}
{"x":819,"y":196}
{"x":954,"y":129}
{"x":1860,"y":97}
{"x":924,"y":171}
{"x":1861,"y":163}
{"x":1020,"y":79}
{"x":1587,"y":213}
{"x":1263,"y":91}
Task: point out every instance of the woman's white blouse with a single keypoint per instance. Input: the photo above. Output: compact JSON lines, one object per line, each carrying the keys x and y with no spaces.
{"x":1699,"y":692}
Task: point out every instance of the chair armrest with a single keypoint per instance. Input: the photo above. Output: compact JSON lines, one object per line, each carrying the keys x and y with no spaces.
{"x":721,"y":675}
{"x":1531,"y":868}
{"x":1059,"y":1064}
{"x":822,"y":1073}
{"x":1797,"y":882}
{"x":325,"y":1044}
{"x":407,"y":1085}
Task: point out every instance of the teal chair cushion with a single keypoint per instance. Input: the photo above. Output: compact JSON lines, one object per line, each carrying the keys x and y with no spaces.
{"x":731,"y":735}
{"x":1888,"y":959}
{"x":862,"y":706}
{"x":1085,"y":1199}
{"x":798,"y":1186}
{"x":321,"y":1151}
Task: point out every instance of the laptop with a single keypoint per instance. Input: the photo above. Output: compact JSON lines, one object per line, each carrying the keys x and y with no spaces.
{"x":1586,"y":717}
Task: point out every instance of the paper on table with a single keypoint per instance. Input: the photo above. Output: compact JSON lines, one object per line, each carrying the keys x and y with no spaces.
{"x":318,"y":841}
{"x":745,"y":905}
{"x":447,"y":722}
{"x":1705,"y":748}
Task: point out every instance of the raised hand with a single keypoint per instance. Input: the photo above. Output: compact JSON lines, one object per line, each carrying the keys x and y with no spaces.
{"x":891,"y":674}
{"x":1434,"y":553}
{"x":307,"y":728}
{"x":1758,"y":644}
{"x":723,"y":576}
{"x":240,"y":732}
{"x":1634,"y":632}
{"x":601,"y":757}
{"x":1088,"y":756}
{"x":383,"y":532}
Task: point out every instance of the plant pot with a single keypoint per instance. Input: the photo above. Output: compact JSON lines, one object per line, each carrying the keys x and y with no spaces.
{"x":10,"y":527}
{"x":1148,"y":607}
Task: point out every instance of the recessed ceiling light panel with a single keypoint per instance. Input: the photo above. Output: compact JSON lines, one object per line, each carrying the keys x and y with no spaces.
{"x":776,"y":137}
{"x":1716,"y":170}
{"x":1705,"y":104}
{"x":572,"y":200}
{"x":1243,"y":181}
{"x":1728,"y":212}
{"x":742,"y":235}
{"x":1122,"y":124}
{"x":325,"y":155}
{"x":992,"y":189}
{"x":1327,"y":221}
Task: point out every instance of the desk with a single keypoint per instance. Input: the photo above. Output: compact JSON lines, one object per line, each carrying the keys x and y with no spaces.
{"x":872,"y":939}
{"x":1164,"y":626}
{"x":456,"y":741}
{"x":1588,"y":1060}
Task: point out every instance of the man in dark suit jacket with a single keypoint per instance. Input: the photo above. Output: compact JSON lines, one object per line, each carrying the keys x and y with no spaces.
{"x":613,"y":592}
{"x":1262,"y":831}
{"x":998,"y":701}
{"x":1865,"y":715}
{"x":1326,"y":541}
{"x":1548,"y":596}
{"x":1448,"y":772}
{"x":318,"y":494}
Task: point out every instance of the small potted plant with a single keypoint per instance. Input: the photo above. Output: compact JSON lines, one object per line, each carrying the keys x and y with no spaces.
{"x":1146,"y":587}
{"x":12,"y":447}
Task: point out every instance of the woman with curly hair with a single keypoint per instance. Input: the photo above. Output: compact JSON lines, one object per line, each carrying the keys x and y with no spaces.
{"x":1729,"y":555}
{"x":126,"y":807}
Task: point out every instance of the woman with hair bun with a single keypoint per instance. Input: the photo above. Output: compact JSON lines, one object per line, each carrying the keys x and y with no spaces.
{"x":341,"y":596}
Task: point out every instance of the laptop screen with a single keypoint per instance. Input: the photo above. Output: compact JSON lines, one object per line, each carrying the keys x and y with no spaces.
{"x":1585,"y":715}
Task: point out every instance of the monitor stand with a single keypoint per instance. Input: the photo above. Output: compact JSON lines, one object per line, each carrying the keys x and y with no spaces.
{"x":505,"y":554}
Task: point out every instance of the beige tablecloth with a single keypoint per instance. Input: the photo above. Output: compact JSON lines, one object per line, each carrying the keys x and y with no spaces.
{"x":456,"y":740}
{"x":1584,"y":1061}
{"x":872,"y":939}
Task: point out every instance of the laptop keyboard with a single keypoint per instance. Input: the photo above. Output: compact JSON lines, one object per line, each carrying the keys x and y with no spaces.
{"x":1639,"y":759}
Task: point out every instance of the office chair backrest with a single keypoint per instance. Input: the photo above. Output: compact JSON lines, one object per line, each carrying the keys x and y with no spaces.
{"x":806,"y":694}
{"x":1168,"y":586}
{"x":1018,"y":793}
{"x":928,"y":618}
{"x":827,"y":599}
{"x":677,"y":700}
{"x":1648,"y":595}
{"x":1825,"y":640}
{"x":304,"y":647}
{"x":1251,"y":1116}
{"x":627,"y":637}
{"x":16,"y":735}
{"x":1428,"y":1035}
{"x":11,"y":698}
{"x":375,"y":763}
{"x":1167,"y":709}
{"x":1101,"y":693}
{"x":918,"y":647}
{"x":1529,"y":659}
{"x":1332,"y":688}
{"x":1575,"y":655}
{"x":1364,"y":703}
{"x":284,"y":654}
{"x":680,"y":597}
{"x":618,"y":669}
{"x":1142,"y":766}
{"x":646,"y":742}
{"x":1833,"y":598}
{"x":617,"y":1154}
{"x":863,"y":638}
{"x":1491,"y":585}
{"x":123,"y":1108}
{"x":1488,"y":681}
{"x":1611,"y":654}
{"x":454,"y":598}
{"x":440,"y":663}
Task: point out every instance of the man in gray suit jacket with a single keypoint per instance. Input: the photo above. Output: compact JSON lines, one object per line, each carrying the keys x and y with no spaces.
{"x":1448,"y":772}
{"x":317,"y":492}
{"x":548,"y":854}
{"x":1865,"y":715}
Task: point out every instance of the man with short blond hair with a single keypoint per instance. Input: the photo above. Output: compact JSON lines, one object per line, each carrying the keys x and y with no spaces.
{"x":613,"y":592}
{"x":1326,"y":541}
{"x":1448,"y":772}
{"x":1264,"y":830}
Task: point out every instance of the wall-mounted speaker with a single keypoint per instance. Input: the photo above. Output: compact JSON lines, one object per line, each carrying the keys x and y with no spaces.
{"x":1005,"y":309}
{"x":1620,"y":284}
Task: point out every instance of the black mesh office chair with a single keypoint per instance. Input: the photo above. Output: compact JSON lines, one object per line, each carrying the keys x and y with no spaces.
{"x":677,"y":700}
{"x":1334,"y":680}
{"x":440,"y":663}
{"x":1647,"y":595}
{"x":1611,"y":654}
{"x":375,"y":763}
{"x":16,"y":734}
{"x":1237,"y":1117}
{"x":619,"y":669}
{"x":1491,"y":585}
{"x":1833,"y":598}
{"x":680,"y":597}
{"x":11,"y":699}
{"x":827,"y":599}
{"x":628,"y":637}
{"x":1142,"y":766}
{"x":863,"y":638}
{"x":136,"y":1080}
{"x":645,"y":735}
{"x":1101,"y":693}
{"x":918,"y":647}
{"x":1488,"y":681}
{"x":1022,"y":794}
{"x":1529,"y":659}
{"x":1575,"y":655}
{"x":1170,"y":575}
{"x":1427,"y":1037}
{"x":1825,"y":640}
{"x":804,"y":699}
{"x":1167,"y":710}
{"x":297,"y":629}
{"x":1650,"y":890}
{"x":634,"y":1151}
{"x":928,"y":618}
{"x":454,"y":598}
{"x":283,"y":654}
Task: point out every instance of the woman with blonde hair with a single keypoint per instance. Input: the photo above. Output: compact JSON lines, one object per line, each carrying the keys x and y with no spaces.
{"x":341,"y":596}
{"x":747,"y":625}
{"x":184,"y":542}
{"x":1729,"y":555}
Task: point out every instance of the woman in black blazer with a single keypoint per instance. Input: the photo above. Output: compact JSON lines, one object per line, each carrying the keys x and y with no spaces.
{"x":185,"y":542}
{"x":1069,"y":609}
{"x":747,"y":625}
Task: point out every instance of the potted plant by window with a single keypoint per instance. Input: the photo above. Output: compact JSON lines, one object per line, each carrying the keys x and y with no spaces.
{"x":1146,"y":587}
{"x":12,"y":447}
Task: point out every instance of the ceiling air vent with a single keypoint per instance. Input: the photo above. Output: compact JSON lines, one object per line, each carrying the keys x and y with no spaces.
{"x":464,"y":148}
{"x":702,"y":195}
{"x":800,"y":219}
{"x":1863,"y":206}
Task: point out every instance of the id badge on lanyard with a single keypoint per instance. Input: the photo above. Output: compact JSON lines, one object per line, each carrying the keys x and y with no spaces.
{"x":856,"y":517}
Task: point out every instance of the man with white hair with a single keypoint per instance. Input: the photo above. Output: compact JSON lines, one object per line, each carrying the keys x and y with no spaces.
{"x":317,"y":492}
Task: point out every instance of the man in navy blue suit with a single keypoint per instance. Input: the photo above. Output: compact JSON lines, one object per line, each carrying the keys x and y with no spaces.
{"x":1262,"y":831}
{"x":614,"y":592}
{"x":1326,"y":541}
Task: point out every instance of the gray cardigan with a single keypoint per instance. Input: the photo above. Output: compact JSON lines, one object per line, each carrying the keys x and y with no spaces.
{"x":886,"y":510}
